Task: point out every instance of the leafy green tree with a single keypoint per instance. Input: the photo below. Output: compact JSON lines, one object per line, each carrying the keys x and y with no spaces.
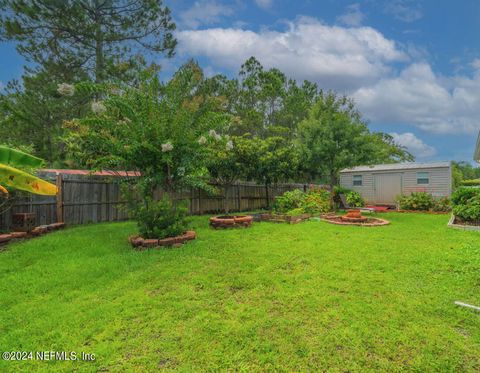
{"x":264,"y":102}
{"x":96,"y":36}
{"x":32,"y":112}
{"x":334,"y":137}
{"x":271,"y":160}
{"x":156,"y":130}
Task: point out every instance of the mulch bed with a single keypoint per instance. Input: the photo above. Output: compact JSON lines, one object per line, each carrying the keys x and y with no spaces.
{"x":226,"y":221}
{"x":37,"y":231}
{"x":280,"y":218}
{"x":456,"y":222}
{"x":140,"y":243}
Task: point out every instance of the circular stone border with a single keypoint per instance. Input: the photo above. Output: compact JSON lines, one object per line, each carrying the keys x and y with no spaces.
{"x":140,"y":243}
{"x":337,"y":220}
{"x":231,"y":221}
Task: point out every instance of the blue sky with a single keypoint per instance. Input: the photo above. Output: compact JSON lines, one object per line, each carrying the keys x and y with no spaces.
{"x":413,"y":67}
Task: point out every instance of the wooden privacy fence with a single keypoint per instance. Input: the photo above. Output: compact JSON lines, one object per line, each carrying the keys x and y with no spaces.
{"x":92,"y":199}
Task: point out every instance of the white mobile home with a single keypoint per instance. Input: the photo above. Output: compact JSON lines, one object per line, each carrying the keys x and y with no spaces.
{"x":381,"y":184}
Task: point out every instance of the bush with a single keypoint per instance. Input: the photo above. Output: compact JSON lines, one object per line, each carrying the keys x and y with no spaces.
{"x":289,"y":201}
{"x":466,"y":204}
{"x":297,"y":202}
{"x":421,"y":201}
{"x":161,"y":219}
{"x":317,"y":201}
{"x":442,"y":205}
{"x":354,"y":199}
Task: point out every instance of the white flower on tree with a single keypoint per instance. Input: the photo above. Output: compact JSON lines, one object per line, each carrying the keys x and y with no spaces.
{"x":66,"y":89}
{"x":202,"y":140}
{"x":215,"y":135}
{"x":98,"y":107}
{"x":167,"y":147}
{"x":229,"y":145}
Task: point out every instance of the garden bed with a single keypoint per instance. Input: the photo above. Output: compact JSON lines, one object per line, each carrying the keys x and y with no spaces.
{"x":226,"y":221}
{"x":366,"y":222}
{"x":457,"y":223}
{"x":283,"y":218}
{"x":37,"y":231}
{"x":140,"y":243}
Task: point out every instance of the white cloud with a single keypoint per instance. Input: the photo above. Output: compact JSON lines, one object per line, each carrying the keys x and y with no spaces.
{"x":204,"y":12}
{"x":265,"y":4}
{"x":391,"y":84}
{"x":404,"y":10}
{"x":336,"y":57}
{"x":352,"y":17}
{"x":417,"y":96}
{"x":414,"y":145}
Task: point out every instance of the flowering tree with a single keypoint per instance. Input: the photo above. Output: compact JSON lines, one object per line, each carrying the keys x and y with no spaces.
{"x":157,"y":130}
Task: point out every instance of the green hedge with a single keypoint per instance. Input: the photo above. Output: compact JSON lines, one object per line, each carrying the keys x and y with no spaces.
{"x":466,"y":203}
{"x":473,"y":182}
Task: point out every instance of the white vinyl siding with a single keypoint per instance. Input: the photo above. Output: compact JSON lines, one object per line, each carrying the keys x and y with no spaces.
{"x":439,"y":182}
{"x":423,"y":178}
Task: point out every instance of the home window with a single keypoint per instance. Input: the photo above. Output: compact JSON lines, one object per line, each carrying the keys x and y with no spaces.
{"x":423,"y":178}
{"x":357,"y":180}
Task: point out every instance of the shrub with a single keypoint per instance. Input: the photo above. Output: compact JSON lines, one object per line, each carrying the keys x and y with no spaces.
{"x":161,"y":219}
{"x":466,"y":204}
{"x":462,"y":195}
{"x":442,"y":205}
{"x":354,"y":199}
{"x":289,"y":201}
{"x":317,"y":201}
{"x":421,"y":201}
{"x":297,"y":202}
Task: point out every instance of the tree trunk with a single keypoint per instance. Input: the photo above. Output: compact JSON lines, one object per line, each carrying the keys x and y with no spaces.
{"x":99,"y":57}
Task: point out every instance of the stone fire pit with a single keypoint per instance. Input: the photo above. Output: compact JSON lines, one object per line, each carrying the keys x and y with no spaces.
{"x":227,"y":221}
{"x":354,"y":217}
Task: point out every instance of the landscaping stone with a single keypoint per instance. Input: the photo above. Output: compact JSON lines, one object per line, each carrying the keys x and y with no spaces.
{"x":140,"y":243}
{"x":5,"y":238}
{"x":234,"y":221}
{"x":39,"y":231}
{"x":18,"y":235}
{"x":55,"y":226}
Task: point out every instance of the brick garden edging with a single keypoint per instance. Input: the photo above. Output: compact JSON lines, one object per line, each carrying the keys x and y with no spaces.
{"x":371,"y":222}
{"x":37,"y":231}
{"x":140,"y":243}
{"x":231,"y":221}
{"x":280,"y":218}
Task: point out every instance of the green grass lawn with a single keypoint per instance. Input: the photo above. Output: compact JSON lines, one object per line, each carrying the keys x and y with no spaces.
{"x":287,"y":297}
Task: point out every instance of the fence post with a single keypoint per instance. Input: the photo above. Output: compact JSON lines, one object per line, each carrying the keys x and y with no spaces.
{"x":59,"y":198}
